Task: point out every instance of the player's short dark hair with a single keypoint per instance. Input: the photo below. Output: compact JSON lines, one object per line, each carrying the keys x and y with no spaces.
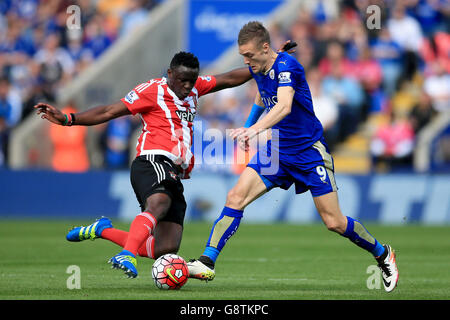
{"x":254,"y":30}
{"x":185,"y":59}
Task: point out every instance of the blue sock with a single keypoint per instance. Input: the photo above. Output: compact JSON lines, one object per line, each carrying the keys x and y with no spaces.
{"x":224,"y":227}
{"x":359,"y":235}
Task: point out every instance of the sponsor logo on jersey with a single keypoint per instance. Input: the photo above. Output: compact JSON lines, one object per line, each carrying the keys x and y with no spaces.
{"x":131,"y":97}
{"x":185,"y":115}
{"x":269,"y":102}
{"x":284,"y":77}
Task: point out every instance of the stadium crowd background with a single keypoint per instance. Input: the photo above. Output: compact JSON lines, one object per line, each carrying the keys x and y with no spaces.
{"x":391,"y":81}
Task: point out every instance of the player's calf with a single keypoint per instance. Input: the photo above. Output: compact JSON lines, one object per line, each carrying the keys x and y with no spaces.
{"x":223,"y":229}
{"x":168,"y":235}
{"x":358,"y":234}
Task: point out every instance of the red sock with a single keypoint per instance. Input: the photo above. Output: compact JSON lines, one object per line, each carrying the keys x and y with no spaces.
{"x":120,"y":237}
{"x":115,"y":235}
{"x":148,"y":248}
{"x":141,"y":228}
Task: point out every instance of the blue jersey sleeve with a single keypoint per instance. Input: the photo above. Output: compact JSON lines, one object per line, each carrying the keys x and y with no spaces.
{"x":287,"y":73}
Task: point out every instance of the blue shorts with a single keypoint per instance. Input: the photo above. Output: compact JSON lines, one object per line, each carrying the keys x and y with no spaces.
{"x":311,"y":169}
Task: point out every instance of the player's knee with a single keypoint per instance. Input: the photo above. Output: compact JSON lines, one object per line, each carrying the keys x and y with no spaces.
{"x":335,"y":225}
{"x":235,"y":199}
{"x":332,"y":226}
{"x":333,"y":221}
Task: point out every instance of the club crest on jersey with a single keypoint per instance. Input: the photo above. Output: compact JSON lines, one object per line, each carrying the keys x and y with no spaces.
{"x":206,"y":78}
{"x":272,"y":74}
{"x":284,"y":77}
{"x":131,"y":97}
{"x":185,"y":115}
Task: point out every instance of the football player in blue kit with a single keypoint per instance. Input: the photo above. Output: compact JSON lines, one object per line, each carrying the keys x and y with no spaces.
{"x":297,"y":154}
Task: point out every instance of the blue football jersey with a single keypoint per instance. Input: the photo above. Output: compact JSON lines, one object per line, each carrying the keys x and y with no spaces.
{"x":301,"y":128}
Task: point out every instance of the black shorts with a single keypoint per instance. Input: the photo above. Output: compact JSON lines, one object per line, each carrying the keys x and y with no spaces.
{"x":152,"y":174}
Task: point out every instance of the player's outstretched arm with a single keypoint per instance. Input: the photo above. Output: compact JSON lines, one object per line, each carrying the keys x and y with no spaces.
{"x":89,"y":117}
{"x":240,"y":76}
{"x":231,"y":79}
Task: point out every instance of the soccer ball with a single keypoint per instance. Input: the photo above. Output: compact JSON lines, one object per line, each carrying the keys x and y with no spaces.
{"x":170,"y":272}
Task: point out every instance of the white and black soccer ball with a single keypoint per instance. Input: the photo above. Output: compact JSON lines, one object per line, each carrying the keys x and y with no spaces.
{"x":170,"y":272}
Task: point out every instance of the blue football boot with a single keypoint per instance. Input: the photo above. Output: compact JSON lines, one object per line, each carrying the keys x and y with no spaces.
{"x":126,"y":261}
{"x":92,"y":231}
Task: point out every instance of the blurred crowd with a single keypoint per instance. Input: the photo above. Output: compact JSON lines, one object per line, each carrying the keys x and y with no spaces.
{"x":42,"y":48}
{"x":395,"y":76}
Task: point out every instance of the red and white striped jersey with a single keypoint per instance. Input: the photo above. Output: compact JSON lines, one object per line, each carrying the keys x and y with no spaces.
{"x":167,"y":121}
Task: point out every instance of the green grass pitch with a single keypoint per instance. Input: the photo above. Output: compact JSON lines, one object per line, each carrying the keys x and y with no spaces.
{"x":261,"y":262}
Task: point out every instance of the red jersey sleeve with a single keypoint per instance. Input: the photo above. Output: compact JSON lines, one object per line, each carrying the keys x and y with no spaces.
{"x":142,"y":98}
{"x":205,"y":84}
